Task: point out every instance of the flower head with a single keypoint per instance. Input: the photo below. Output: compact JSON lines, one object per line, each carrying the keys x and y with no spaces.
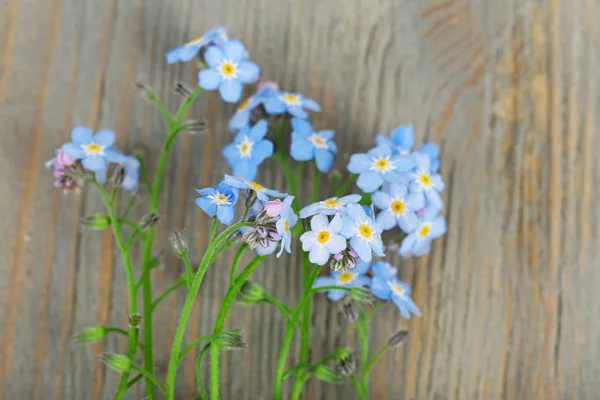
{"x":344,"y":260}
{"x":330,"y":206}
{"x":386,"y":286}
{"x":279,"y":102}
{"x":262,"y":193}
{"x":379,"y":165}
{"x":131,"y":166}
{"x":398,"y":207}
{"x":228,"y":69}
{"x":426,"y":181}
{"x":429,"y":226}
{"x":248,"y":150}
{"x":219,"y":202}
{"x":308,"y":144}
{"x":402,"y":140}
{"x":241,"y":117}
{"x":323,"y":239}
{"x":351,"y":279}
{"x":189,"y":50}
{"x":263,"y":235}
{"x":66,"y":171}
{"x":94,"y":151}
{"x":287,"y":220}
{"x":363,"y":232}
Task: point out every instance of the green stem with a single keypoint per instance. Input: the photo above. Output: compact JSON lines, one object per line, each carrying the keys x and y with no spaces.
{"x":166,"y":294}
{"x":370,"y":314}
{"x":372,"y":361}
{"x":285,"y":310}
{"x":325,"y":288}
{"x":203,"y":394}
{"x":133,"y":332}
{"x":132,"y":237}
{"x":188,"y":267}
{"x":301,"y":378}
{"x":358,"y":387}
{"x":194,"y":343}
{"x":125,"y":333}
{"x":189,"y":302}
{"x":213,"y":229}
{"x":236,"y":262}
{"x":135,"y":380}
{"x":361,"y":329}
{"x":220,"y":322}
{"x":342,"y":190}
{"x":289,"y":335}
{"x":149,"y":376}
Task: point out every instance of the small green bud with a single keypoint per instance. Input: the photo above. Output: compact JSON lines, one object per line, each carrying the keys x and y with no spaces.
{"x":398,"y":338}
{"x":118,"y":362}
{"x":148,"y":221}
{"x":346,"y":365}
{"x":230,"y":339}
{"x":178,"y":242}
{"x":156,"y":262}
{"x":145,"y":91}
{"x":361,"y":295}
{"x":326,"y":374}
{"x":91,"y":334}
{"x":96,"y":222}
{"x":251,"y":293}
{"x":343,"y":352}
{"x":135,"y":320}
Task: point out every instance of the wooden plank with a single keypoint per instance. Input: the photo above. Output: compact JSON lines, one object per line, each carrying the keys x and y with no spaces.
{"x":509,"y":90}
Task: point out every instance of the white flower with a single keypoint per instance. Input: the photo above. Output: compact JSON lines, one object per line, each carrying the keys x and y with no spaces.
{"x":323,"y":239}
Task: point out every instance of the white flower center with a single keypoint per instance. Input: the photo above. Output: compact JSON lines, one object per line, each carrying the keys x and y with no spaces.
{"x":424,"y":179}
{"x":332,"y":204}
{"x":195,"y":41}
{"x":396,"y":288}
{"x":290,"y":99}
{"x":318,"y":141}
{"x":382,"y":164}
{"x":220,"y":199}
{"x":228,"y":69}
{"x":345,"y":278}
{"x":245,"y":148}
{"x":93,"y":149}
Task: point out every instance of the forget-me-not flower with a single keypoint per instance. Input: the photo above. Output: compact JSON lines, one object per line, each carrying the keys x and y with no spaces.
{"x":262,"y":193}
{"x":241,"y":117}
{"x":131,"y":166}
{"x":429,"y":226}
{"x":94,"y":151}
{"x":248,"y":150}
{"x":402,"y":140}
{"x":227,"y":70}
{"x":398,"y":207}
{"x":354,"y":278}
{"x":308,"y":144}
{"x":386,"y":286}
{"x":330,"y":206}
{"x":186,"y":52}
{"x":377,"y":166}
{"x":323,"y":239}
{"x":287,"y":220}
{"x":363,"y":232}
{"x":278,"y":102}
{"x":424,"y":180}
{"x":219,"y":202}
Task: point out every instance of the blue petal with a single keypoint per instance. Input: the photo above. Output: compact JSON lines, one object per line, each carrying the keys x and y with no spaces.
{"x":399,"y":302}
{"x":234,"y":50}
{"x":381,"y":200}
{"x":359,"y":163}
{"x":361,"y":281}
{"x":206,"y":191}
{"x":104,"y":137}
{"x":207,"y":205}
{"x":309,"y":210}
{"x":361,"y":267}
{"x":248,"y":72}
{"x":398,"y":190}
{"x":258,"y":131}
{"x":434,"y":199}
{"x":403,"y":163}
{"x":270,"y":249}
{"x":310,"y":104}
{"x":225,"y":214}
{"x":404,"y":136}
{"x":235,"y":182}
{"x":412,"y":307}
{"x":431,"y":149}
{"x":384,"y":270}
{"x":351,"y":198}
{"x":209,"y":79}
{"x":274,"y":106}
{"x":129,"y":183}
{"x":387,"y":219}
{"x":172,"y":56}
{"x":101,"y":176}
{"x":380,"y":151}
{"x":73,"y":150}
{"x":231,"y":90}
{"x":356,"y":212}
{"x":382,"y":140}
{"x":114,"y":155}
{"x":377,"y":246}
{"x":438,"y":183}
{"x":438,"y":227}
{"x":324,"y":281}
{"x":408,"y":221}
{"x":302,"y":127}
{"x":369,"y":181}
{"x":318,"y":255}
{"x":94,"y":163}
{"x":336,"y":294}
{"x":406,"y":248}
{"x":213,"y":56}
{"x":262,"y":151}
{"x":324,"y":160}
{"x":82,"y":135}
{"x":245,"y":168}
{"x":380,"y":288}
{"x":415,"y":201}
{"x":297,"y":112}
{"x":423,"y":163}
{"x":362,"y":248}
{"x":231,"y":154}
{"x":301,"y":149}
{"x":239,"y":120}
{"x":326,"y":134}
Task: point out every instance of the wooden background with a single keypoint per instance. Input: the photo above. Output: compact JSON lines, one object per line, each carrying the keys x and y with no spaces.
{"x":508,"y":87}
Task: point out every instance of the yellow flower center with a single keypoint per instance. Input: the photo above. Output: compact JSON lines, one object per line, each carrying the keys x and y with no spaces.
{"x":256,"y":186}
{"x":331,"y":203}
{"x":93,"y":148}
{"x":346,"y":277}
{"x":228,"y":69}
{"x":396,"y":288}
{"x":244,"y":104}
{"x":286,"y":226}
{"x":290,"y":99}
{"x":245,"y":148}
{"x":323,"y":237}
{"x":398,"y":206}
{"x":318,"y":141}
{"x":365,"y":231}
{"x":425,"y":179}
{"x":382,"y":164}
{"x":424,"y":230}
{"x":221,"y":199}
{"x":195,"y":41}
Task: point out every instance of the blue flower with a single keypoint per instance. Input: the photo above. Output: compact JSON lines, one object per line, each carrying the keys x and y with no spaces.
{"x":241,"y":117}
{"x":377,"y":166}
{"x":220,"y":202}
{"x":94,"y":151}
{"x":402,"y":140}
{"x":286,"y":222}
{"x":330,"y":206}
{"x":363,"y":232}
{"x":323,"y":239}
{"x":279,"y":102}
{"x":227,"y":70}
{"x":132,"y":173}
{"x":425,"y":181}
{"x":429,"y":226}
{"x":186,"y":52}
{"x":308,"y":144}
{"x":398,"y":207}
{"x":354,"y":278}
{"x":262,"y":193}
{"x":248,"y":150}
{"x":386,"y":286}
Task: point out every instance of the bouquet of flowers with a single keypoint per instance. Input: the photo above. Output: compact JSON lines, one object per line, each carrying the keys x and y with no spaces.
{"x":339,"y":238}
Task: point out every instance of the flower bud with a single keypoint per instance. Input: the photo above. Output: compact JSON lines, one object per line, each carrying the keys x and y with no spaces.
{"x":145,"y":91}
{"x":148,"y":221}
{"x":135,"y":320}
{"x":231,"y":339}
{"x":346,"y":365}
{"x":195,"y":126}
{"x":350,"y":311}
{"x":156,"y":261}
{"x":251,"y":293}
{"x":398,"y":338}
{"x":361,"y":295}
{"x":343,"y":352}
{"x":118,"y":175}
{"x":178,"y":242}
{"x":118,"y":362}
{"x":183,"y":89}
{"x":326,"y":374}
{"x":273,"y":208}
{"x":96,"y":222}
{"x":250,"y":198}
{"x":91,"y":334}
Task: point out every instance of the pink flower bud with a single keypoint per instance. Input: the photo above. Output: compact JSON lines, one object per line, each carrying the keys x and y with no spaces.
{"x":352,"y":252}
{"x":273,"y":208}
{"x":421,"y":212}
{"x":63,"y":159}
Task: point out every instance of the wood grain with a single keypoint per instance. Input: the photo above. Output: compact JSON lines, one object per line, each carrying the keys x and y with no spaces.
{"x":510,"y":91}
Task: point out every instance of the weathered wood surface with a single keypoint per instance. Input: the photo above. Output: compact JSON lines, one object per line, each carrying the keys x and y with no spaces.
{"x":510,"y":90}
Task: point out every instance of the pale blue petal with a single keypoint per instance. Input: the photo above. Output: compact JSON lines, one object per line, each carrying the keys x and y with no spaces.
{"x":412,"y":307}
{"x":239,"y":120}
{"x":380,"y":288}
{"x":399,"y":301}
{"x":377,"y":246}
{"x":263,"y":251}
{"x":248,"y":72}
{"x":324,"y":281}
{"x":274,"y":106}
{"x":387,"y":219}
{"x":422,"y":162}
{"x":231,"y":154}
{"x":245,"y":168}
{"x":225,"y":214}
{"x":275,"y":193}
{"x":213,"y":56}
{"x":437,"y":182}
{"x":301,"y":149}
{"x":398,"y":190}
{"x":318,"y":255}
{"x":403,"y":163}
{"x":302,"y":126}
{"x":380,"y":151}
{"x":258,"y":131}
{"x":82,"y":135}
{"x":384,"y":270}
{"x":381,"y":200}
{"x":318,"y":223}
{"x":207,"y":205}
{"x":336,"y":243}
{"x":408,"y":221}
{"x":104,"y":137}
{"x":206,"y":191}
{"x":415,"y":201}
{"x":209,"y":79}
{"x":336,"y":294}
{"x":431,"y":149}
{"x":362,"y":248}
{"x":359,"y":163}
{"x":234,"y":50}
{"x":369,"y":181}
{"x":395,"y":177}
{"x":262,"y":151}
{"x":114,"y":155}
{"x":382,"y":140}
{"x":350,"y":199}
{"x":309,"y":210}
{"x":438,"y":227}
{"x":361,"y":267}
{"x":361,"y":281}
{"x":101,"y":177}
{"x":327,"y":134}
{"x":94,"y":163}
{"x":231,"y":90}
{"x":404,"y":136}
{"x":73,"y":150}
{"x":406,"y":248}
{"x":349,"y":228}
{"x":434,"y":199}
{"x":310,"y":104}
{"x":324,"y":159}
{"x":336,"y":224}
{"x":297,"y":112}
